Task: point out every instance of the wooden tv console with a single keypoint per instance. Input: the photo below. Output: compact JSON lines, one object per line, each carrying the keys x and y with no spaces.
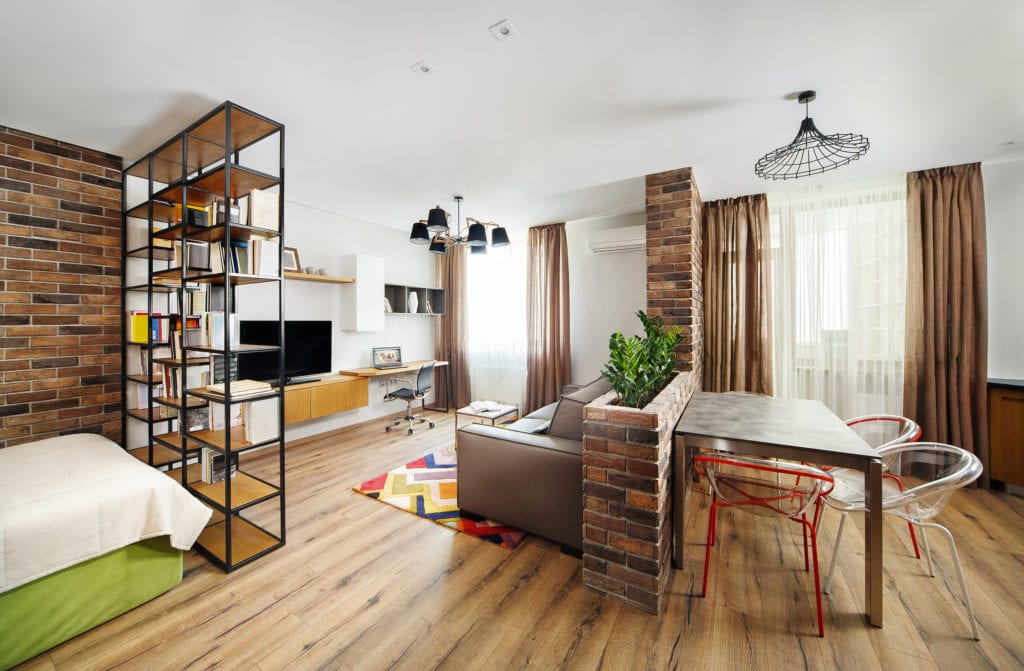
{"x":329,"y":395}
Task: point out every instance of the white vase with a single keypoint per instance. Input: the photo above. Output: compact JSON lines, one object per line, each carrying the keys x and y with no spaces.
{"x":414,"y":301}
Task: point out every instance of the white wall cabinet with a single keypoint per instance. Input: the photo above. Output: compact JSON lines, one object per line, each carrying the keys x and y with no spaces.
{"x":363,"y":301}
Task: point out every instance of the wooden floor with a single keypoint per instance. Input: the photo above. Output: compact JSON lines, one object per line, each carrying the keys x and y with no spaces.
{"x":361,"y":585}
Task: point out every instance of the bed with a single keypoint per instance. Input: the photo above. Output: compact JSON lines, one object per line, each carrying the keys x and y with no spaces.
{"x":87,"y":532}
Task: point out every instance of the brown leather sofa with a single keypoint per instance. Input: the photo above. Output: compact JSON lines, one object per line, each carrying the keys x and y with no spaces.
{"x":530,"y":474}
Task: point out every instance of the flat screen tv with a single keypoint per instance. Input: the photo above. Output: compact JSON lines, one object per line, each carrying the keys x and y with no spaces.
{"x":307,"y":350}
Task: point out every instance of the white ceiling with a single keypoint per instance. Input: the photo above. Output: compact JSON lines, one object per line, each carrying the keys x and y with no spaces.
{"x":558,"y":123}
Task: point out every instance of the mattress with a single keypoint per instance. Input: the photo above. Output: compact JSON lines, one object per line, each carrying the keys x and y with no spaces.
{"x":69,"y":499}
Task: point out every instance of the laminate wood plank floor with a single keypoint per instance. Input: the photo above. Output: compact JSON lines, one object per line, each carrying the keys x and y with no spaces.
{"x":362,"y":585}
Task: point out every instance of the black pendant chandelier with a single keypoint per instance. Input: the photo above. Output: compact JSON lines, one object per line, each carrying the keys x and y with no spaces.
{"x":434,"y":231}
{"x":811,"y":152}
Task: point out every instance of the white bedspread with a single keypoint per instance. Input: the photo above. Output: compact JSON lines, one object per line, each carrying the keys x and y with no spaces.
{"x":67,"y":499}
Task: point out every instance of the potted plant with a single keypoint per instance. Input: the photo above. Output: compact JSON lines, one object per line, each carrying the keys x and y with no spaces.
{"x":640,"y":367}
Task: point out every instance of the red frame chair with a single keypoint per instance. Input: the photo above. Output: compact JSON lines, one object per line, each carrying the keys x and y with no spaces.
{"x":766,"y":487}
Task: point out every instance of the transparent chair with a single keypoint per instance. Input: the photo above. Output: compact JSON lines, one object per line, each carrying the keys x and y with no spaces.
{"x":880,"y":431}
{"x":919,"y":479}
{"x":766,"y":487}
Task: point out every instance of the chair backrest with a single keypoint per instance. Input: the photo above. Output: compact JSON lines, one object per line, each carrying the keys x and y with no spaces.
{"x":425,"y":379}
{"x":764,"y":486}
{"x":883,"y":430}
{"x":929,"y":474}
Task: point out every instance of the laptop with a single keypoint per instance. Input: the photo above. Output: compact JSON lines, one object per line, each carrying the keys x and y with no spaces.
{"x":387,"y":357}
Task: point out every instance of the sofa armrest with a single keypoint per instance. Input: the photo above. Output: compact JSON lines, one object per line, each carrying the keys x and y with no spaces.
{"x":528,"y":481}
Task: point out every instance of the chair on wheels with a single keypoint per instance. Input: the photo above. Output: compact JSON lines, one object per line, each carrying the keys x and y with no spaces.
{"x":766,"y":487}
{"x":919,"y":480}
{"x":410,"y":394}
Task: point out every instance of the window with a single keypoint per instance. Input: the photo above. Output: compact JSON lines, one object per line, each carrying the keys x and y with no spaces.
{"x":496,"y":324}
{"x":839,"y":287}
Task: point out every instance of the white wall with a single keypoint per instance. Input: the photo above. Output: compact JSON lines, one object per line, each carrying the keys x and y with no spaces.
{"x":322,"y":239}
{"x":1004,"y":222}
{"x":605,"y":292}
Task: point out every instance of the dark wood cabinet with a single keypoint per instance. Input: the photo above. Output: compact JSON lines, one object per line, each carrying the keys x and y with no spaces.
{"x":1006,"y":430}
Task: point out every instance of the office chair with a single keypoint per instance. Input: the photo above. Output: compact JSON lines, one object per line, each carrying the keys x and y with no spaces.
{"x":766,"y":487}
{"x":921,"y":478}
{"x":409,"y":394}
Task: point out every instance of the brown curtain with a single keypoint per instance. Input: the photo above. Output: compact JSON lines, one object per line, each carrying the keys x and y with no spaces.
{"x":737,"y":295}
{"x":450,"y":335}
{"x":945,"y":387}
{"x":548,"y":355}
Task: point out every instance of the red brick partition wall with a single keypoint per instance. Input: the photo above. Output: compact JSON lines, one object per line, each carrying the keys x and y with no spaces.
{"x":60,"y":289}
{"x":627,"y":452}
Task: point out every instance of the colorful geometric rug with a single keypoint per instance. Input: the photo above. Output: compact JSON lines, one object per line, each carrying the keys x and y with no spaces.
{"x":428,"y":487}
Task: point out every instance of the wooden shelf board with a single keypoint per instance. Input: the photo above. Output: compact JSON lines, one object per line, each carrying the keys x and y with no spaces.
{"x":194,"y":473}
{"x":159,"y":253}
{"x":143,"y":414}
{"x":161,"y":455}
{"x":216,"y":438}
{"x":247,"y":540}
{"x":244,"y":490}
{"x":236,"y":278}
{"x":172,"y":441}
{"x":144,"y":379}
{"x":305,"y":277}
{"x":191,"y":361}
{"x":235,"y":349}
{"x":175,"y":401}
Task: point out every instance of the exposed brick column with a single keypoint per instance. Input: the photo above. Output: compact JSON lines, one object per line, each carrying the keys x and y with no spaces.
{"x":60,"y":286}
{"x":627,"y":452}
{"x":674,"y":274}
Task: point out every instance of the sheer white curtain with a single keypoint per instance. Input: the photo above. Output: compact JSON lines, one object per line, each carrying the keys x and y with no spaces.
{"x":839,"y":258}
{"x":496,"y":316}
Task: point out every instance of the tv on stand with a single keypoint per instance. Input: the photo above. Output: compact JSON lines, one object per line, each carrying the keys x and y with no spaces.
{"x":307,"y":350}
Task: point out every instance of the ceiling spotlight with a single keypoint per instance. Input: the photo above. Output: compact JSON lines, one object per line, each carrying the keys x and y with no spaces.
{"x":811,"y":152}
{"x":502,"y":30}
{"x":422,"y":68}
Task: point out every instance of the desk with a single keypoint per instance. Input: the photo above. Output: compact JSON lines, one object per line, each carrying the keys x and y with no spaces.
{"x":794,"y":429}
{"x":409,"y":367}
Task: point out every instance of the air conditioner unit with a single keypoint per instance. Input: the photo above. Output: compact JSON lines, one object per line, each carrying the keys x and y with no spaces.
{"x":622,"y":239}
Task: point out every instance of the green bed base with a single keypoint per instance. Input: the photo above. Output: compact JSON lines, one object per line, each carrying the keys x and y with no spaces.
{"x":48,"y":611}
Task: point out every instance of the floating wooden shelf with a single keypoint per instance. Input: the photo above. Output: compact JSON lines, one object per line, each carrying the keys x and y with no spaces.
{"x":305,"y":277}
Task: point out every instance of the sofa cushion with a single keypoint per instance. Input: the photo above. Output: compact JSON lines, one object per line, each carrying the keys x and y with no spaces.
{"x":544,"y":413}
{"x":567,"y":422}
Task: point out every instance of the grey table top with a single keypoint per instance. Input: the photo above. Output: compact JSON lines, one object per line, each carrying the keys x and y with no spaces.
{"x":731,"y":420}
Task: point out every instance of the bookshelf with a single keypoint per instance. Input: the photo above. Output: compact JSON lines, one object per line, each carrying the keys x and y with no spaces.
{"x":203,"y":220}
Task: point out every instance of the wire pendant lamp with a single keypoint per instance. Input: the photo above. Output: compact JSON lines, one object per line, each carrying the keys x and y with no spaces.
{"x":811,"y":152}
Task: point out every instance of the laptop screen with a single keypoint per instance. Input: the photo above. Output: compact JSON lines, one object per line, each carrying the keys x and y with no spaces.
{"x":387,"y":356}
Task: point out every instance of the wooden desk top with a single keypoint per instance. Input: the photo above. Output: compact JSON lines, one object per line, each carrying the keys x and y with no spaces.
{"x":409,"y":367}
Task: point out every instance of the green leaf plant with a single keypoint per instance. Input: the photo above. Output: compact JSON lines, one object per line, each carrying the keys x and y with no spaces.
{"x":639,"y":368}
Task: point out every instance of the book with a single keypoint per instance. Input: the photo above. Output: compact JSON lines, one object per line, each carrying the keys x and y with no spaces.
{"x":137,"y":325}
{"x":260,"y":419}
{"x":213,"y":465}
{"x":240,"y":388}
{"x":218,"y":416}
{"x":263,"y":209}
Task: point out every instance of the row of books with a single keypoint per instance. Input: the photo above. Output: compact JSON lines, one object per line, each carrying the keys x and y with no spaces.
{"x":204,"y":330}
{"x":259,"y":209}
{"x":144,"y":327}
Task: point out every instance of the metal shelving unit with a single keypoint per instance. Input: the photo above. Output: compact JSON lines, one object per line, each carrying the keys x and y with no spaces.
{"x":207,"y":166}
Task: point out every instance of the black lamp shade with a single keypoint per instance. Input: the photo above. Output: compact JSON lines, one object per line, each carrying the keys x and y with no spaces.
{"x":437,"y":220}
{"x":499,"y":237}
{"x":477,"y":235}
{"x":438,"y":247}
{"x":419,"y":234}
{"x":480,"y":249}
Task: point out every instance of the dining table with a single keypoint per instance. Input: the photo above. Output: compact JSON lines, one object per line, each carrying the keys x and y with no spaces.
{"x":784,"y":428}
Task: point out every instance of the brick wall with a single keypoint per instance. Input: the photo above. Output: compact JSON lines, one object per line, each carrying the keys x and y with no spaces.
{"x":60,"y":288}
{"x":627,"y":452}
{"x":674,"y":279}
{"x":627,"y":496}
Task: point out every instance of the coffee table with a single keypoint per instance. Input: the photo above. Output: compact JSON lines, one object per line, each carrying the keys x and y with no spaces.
{"x":502,"y":412}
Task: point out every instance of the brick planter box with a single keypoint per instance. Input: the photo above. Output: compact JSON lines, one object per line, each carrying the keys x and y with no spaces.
{"x":627,"y":492}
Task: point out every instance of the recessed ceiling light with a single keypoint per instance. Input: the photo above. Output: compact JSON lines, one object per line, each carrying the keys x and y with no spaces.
{"x":502,"y":30}
{"x":422,"y":68}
